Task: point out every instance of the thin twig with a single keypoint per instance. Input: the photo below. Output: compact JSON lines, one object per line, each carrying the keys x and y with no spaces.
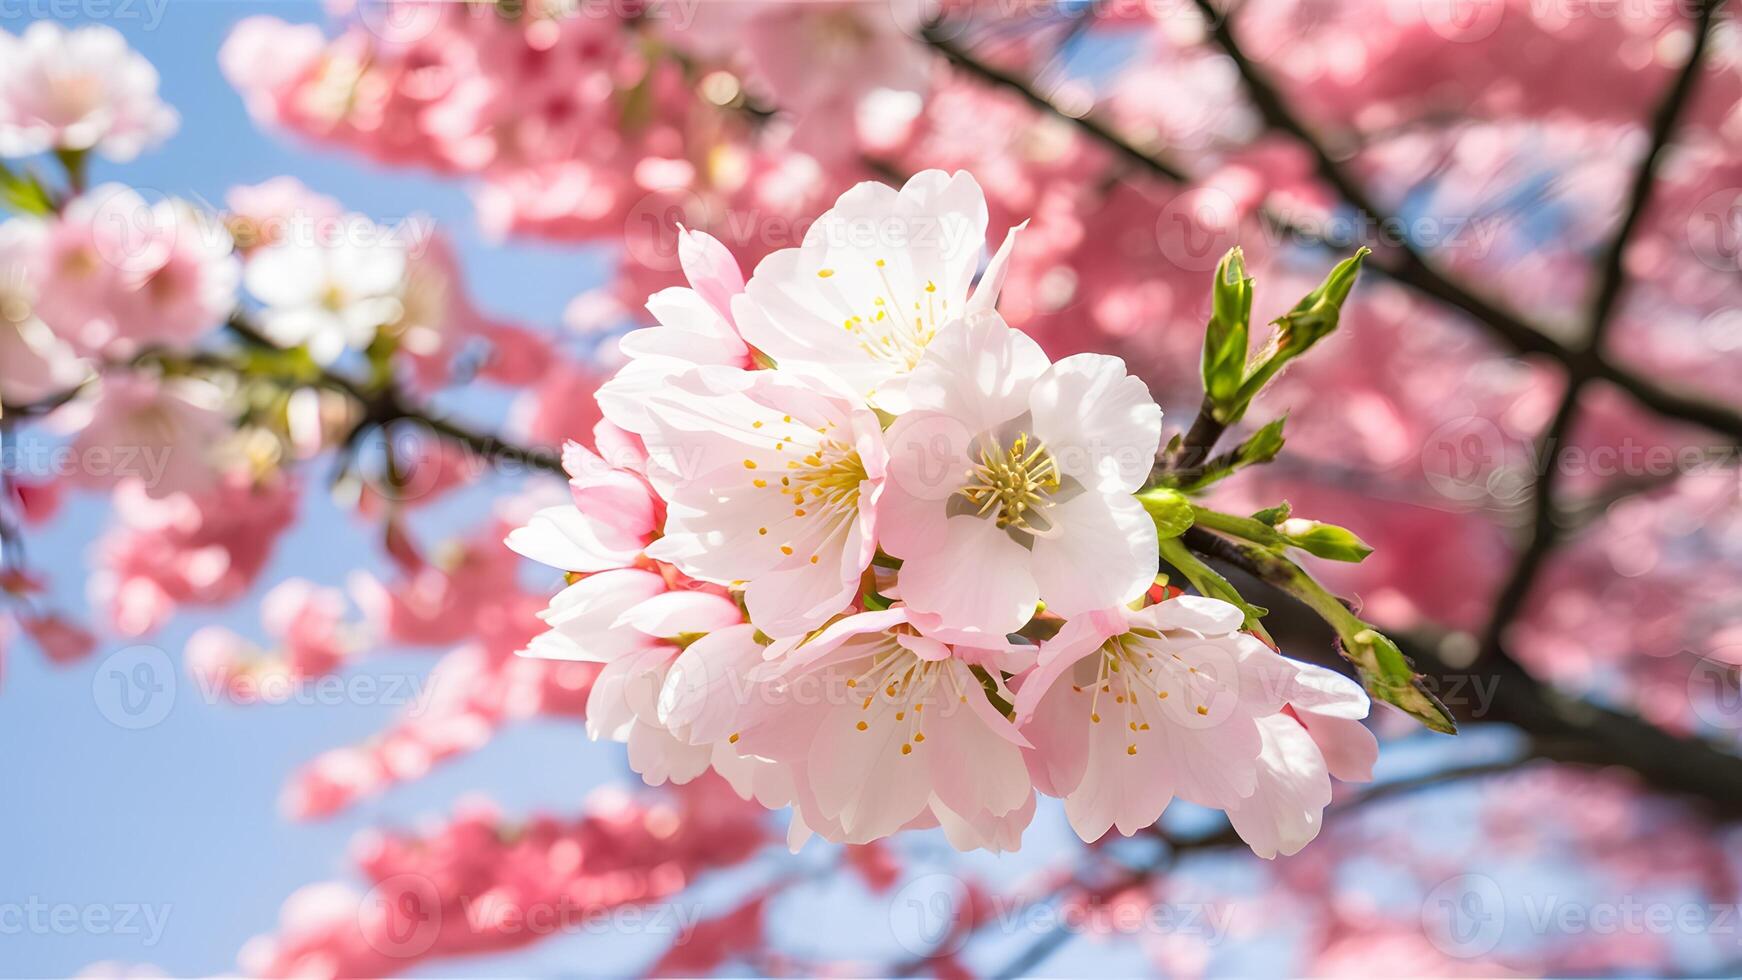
{"x":384,"y":407}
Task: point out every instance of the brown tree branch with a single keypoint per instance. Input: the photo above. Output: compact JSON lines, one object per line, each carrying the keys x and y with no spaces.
{"x":1545,"y":532}
{"x":1561,"y":727}
{"x":1396,"y":260}
{"x":379,"y":407}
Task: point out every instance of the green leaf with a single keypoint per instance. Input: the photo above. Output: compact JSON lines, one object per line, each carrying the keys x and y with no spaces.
{"x":1170,"y":510}
{"x":1311,"y":320}
{"x":25,"y":193}
{"x":1259,"y":448}
{"x":1262,"y":446}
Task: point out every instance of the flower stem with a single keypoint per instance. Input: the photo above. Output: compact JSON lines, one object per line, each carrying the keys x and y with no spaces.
{"x":1248,"y":528}
{"x":1385,"y":671}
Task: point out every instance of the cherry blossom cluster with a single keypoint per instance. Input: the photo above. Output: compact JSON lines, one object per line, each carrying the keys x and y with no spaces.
{"x":481,"y":883}
{"x":849,"y":539}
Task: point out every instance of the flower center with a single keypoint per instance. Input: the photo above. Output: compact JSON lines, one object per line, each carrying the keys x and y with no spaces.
{"x":832,"y":477}
{"x":821,"y":475}
{"x":887,"y":334}
{"x":334,"y":298}
{"x":1014,"y":486}
{"x":1138,"y":677}
{"x":74,"y":97}
{"x":908,"y":684}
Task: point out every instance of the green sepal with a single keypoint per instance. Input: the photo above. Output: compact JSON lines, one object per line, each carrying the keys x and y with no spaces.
{"x":1170,"y":510}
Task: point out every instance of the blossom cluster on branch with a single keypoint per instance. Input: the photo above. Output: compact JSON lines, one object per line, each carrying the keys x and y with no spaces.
{"x":853,"y":541}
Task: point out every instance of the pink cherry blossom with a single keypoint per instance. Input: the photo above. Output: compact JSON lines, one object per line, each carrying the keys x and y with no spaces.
{"x":121,"y":274}
{"x":34,"y":363}
{"x":612,"y":517}
{"x":796,"y":50}
{"x":163,"y":434}
{"x":475,"y":883}
{"x":773,"y":479}
{"x":79,"y":89}
{"x":306,"y":624}
{"x":879,"y":276}
{"x":472,"y":692}
{"x":629,"y":621}
{"x":61,"y":640}
{"x":882,"y":727}
{"x":1127,"y":710}
{"x":183,"y":549}
{"x":273,"y":210}
{"x":1021,"y":471}
{"x":695,"y":322}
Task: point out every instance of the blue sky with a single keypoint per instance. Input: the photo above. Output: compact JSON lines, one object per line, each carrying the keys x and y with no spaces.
{"x":183,"y":816}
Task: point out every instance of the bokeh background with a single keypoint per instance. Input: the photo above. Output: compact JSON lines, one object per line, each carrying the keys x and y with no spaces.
{"x":1530,"y":411}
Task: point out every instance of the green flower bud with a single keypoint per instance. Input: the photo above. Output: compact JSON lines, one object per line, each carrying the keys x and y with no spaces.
{"x":1227,"y":335}
{"x":1324,"y":540}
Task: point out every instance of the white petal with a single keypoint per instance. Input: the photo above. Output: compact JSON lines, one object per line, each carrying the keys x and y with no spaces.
{"x":562,"y":537}
{"x":672,"y":614}
{"x":1103,"y":554}
{"x":286,"y":275}
{"x":705,"y":689}
{"x":1099,"y":422}
{"x":1200,"y":614}
{"x":992,"y":280}
{"x":1323,"y":691}
{"x":979,"y":372}
{"x":976,"y":577}
{"x":1349,"y":748}
{"x":1284,"y":811}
